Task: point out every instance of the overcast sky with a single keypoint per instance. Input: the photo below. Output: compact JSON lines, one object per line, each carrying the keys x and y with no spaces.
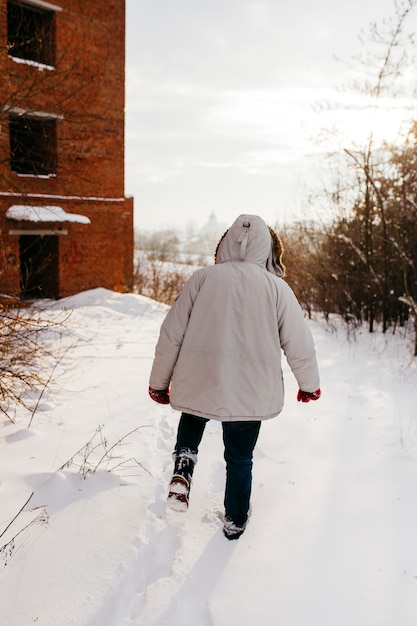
{"x":219,"y":102}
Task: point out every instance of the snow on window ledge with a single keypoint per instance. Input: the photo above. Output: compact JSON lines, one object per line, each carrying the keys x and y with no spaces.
{"x":35,"y":175}
{"x":31,"y":113}
{"x":41,"y":66}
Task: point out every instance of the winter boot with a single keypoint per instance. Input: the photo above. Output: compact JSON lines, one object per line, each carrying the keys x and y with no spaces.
{"x":179,"y":488}
{"x":232,"y":530}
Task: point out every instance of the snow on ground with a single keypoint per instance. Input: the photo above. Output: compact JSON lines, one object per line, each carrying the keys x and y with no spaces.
{"x":332,"y":538}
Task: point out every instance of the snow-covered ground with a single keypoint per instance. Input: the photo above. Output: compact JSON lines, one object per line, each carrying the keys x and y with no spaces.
{"x":332,"y":539}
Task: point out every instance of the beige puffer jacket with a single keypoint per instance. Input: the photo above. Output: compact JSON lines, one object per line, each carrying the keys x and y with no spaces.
{"x":220,"y":344}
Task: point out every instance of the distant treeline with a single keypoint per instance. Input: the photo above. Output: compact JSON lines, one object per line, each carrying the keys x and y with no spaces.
{"x":360,"y":264}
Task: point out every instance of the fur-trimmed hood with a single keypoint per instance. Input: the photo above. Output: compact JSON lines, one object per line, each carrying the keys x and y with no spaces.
{"x":250,"y":239}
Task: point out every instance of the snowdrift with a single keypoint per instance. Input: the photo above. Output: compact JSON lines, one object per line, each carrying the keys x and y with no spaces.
{"x":86,"y":538}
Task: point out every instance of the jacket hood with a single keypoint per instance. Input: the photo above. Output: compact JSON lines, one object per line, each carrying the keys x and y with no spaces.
{"x":249,"y":239}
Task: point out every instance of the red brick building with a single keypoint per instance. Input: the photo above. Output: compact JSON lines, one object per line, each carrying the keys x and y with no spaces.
{"x":65,"y":223}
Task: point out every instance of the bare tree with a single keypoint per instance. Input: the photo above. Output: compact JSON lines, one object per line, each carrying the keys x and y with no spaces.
{"x":368,"y":243}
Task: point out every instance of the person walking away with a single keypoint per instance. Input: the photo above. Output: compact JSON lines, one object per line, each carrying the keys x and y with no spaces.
{"x":218,"y":357}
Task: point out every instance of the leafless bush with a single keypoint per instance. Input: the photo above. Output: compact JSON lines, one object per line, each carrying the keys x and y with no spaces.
{"x":160,"y":281}
{"x":17,"y":526}
{"x":22,"y":356}
{"x":162,"y":266}
{"x":100,"y":453}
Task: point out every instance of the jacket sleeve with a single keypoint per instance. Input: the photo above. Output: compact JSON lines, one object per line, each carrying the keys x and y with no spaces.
{"x":172,"y":333}
{"x":296,"y":340}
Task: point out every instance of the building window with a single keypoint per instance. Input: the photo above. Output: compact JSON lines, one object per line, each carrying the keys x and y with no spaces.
{"x":33,"y":145}
{"x":31,"y":32}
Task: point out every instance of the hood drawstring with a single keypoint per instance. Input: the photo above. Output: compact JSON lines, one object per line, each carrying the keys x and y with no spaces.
{"x":243,"y":240}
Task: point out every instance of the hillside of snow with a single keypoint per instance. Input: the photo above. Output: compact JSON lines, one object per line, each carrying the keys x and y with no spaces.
{"x":332,"y":538}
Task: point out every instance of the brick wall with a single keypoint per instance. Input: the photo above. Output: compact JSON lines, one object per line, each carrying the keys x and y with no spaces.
{"x":86,"y":93}
{"x":99,"y":254}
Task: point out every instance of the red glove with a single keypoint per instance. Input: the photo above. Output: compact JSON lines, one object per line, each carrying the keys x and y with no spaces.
{"x":306,"y":396}
{"x":161,"y":396}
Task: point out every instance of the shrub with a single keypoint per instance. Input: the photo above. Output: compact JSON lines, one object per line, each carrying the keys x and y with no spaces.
{"x":22,"y":356}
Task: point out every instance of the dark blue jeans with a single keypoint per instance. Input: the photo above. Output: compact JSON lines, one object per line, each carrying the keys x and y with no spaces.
{"x":239,"y":440}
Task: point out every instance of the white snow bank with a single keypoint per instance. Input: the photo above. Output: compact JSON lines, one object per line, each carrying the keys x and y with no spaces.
{"x":332,"y":538}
